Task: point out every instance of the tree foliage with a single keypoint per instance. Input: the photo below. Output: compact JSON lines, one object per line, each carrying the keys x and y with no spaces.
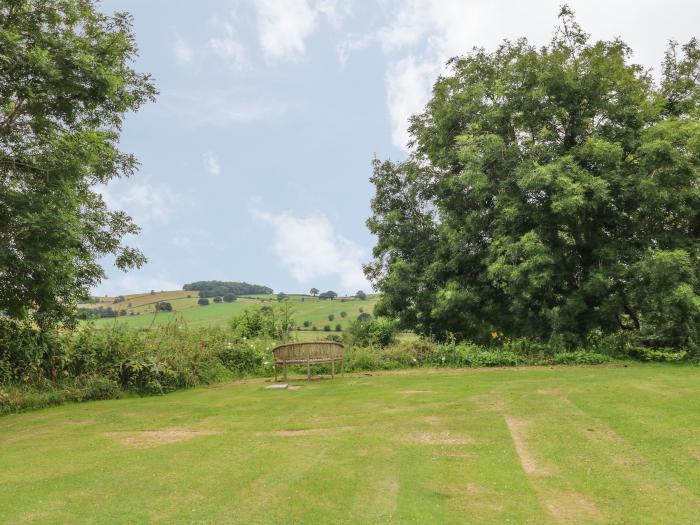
{"x":330,"y":294}
{"x":214,"y":288}
{"x":65,"y":85}
{"x":550,"y":192}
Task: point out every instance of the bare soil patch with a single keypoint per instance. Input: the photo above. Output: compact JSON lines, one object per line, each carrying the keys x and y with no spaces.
{"x":518,"y":428}
{"x":305,"y":431}
{"x":572,"y":507}
{"x":439,"y":438}
{"x":154,"y":438}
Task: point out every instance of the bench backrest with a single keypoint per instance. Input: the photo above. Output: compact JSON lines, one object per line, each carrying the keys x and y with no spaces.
{"x":308,"y":350}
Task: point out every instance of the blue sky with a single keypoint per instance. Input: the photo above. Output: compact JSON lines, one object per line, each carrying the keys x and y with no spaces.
{"x":255,"y":159}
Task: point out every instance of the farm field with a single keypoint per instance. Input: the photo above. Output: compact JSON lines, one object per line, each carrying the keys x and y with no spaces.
{"x":186,"y":310}
{"x":535,"y":445}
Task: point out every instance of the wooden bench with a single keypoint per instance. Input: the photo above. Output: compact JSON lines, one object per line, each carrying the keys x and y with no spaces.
{"x":309,"y":353}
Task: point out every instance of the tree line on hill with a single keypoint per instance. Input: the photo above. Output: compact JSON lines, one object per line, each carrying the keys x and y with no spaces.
{"x":224,"y":288}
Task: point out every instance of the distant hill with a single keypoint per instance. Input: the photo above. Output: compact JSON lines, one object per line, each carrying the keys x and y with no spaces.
{"x":221,"y":288}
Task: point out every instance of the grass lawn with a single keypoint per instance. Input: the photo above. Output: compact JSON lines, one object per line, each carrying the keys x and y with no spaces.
{"x":531,"y":445}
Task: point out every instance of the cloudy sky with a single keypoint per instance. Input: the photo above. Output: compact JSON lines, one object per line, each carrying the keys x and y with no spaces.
{"x":256,"y":156}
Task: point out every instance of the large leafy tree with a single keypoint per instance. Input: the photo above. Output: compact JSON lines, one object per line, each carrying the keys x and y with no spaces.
{"x":65,"y":85}
{"x":550,"y":192}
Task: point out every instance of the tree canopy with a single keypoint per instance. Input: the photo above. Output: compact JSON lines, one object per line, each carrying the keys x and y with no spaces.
{"x":551,"y":192}
{"x":214,"y":288}
{"x":65,"y":86}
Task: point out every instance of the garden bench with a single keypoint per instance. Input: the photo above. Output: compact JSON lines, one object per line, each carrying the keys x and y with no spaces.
{"x":308,"y":353}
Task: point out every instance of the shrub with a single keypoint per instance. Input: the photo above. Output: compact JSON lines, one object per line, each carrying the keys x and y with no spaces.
{"x":307,"y":324}
{"x":314,"y":328}
{"x":327,"y":328}
{"x":366,"y":331}
{"x":580,"y":357}
{"x":163,"y":306}
{"x":218,"y":299}
{"x":343,"y":314}
{"x":471,"y":355}
{"x":97,"y":387}
{"x":331,"y":317}
{"x":667,"y":355}
{"x":229,"y":298}
{"x":338,"y":328}
{"x":203,"y":301}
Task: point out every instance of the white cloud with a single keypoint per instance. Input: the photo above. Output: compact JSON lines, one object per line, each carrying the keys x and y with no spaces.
{"x":145,"y":202}
{"x":181,"y":241}
{"x":409,"y":82}
{"x":183,"y":52}
{"x":350,"y":45}
{"x":310,"y":248}
{"x":212,"y":164}
{"x":228,"y":44}
{"x":219,"y":107}
{"x":283,"y":26}
{"x":424,"y":34}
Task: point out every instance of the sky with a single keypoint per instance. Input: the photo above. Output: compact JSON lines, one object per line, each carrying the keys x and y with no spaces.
{"x":256,"y":156}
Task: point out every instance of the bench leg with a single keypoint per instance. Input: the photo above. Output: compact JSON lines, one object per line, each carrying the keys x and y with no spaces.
{"x":308,"y":370}
{"x":275,"y":367}
{"x":333,"y":368}
{"x":285,"y":372}
{"x":342,"y":367}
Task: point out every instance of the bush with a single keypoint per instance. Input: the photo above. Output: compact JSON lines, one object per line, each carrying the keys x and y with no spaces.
{"x":307,"y":324}
{"x":97,"y":387}
{"x":664,"y":355}
{"x":366,"y":331}
{"x":331,"y":317}
{"x":202,"y":301}
{"x":327,"y":328}
{"x":580,"y":357}
{"x":163,"y":306}
{"x":470,"y":355}
{"x":338,"y":328}
{"x":343,"y":314}
{"x":218,"y":299}
{"x":229,"y":298}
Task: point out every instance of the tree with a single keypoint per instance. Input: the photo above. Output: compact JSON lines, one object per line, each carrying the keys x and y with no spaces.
{"x":330,"y":294}
{"x":202,"y":301}
{"x":338,"y":328}
{"x":307,"y":324}
{"x":65,"y":86}
{"x":343,"y":314}
{"x":327,"y":328}
{"x":331,"y":317}
{"x":281,"y":297}
{"x":229,"y":298}
{"x":552,"y":193}
{"x":214,"y":288}
{"x":163,"y":306}
{"x":218,"y":299}
{"x":361,"y":295}
{"x":314,"y":292}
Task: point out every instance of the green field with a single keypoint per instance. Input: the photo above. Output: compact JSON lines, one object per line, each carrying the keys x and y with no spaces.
{"x":536,"y":445}
{"x":186,"y":310}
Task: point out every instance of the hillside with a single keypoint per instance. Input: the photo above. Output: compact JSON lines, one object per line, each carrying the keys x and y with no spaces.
{"x":140,"y":309}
